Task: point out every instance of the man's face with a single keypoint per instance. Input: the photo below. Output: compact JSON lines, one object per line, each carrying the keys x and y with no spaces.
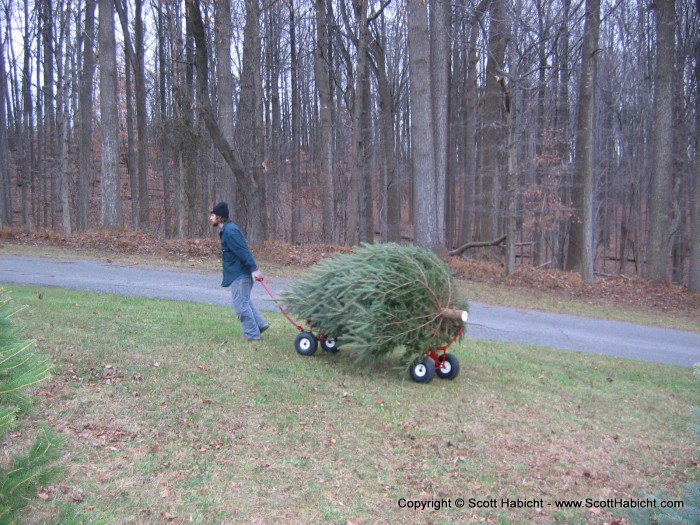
{"x":214,"y":220}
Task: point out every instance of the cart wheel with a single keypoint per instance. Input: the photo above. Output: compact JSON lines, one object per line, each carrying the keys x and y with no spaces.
{"x":305,"y":343}
{"x":422,"y":370}
{"x":449,"y":368}
{"x":330,"y":345}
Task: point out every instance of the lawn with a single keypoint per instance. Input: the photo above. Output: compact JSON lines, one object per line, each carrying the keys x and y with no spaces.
{"x":169,"y":417}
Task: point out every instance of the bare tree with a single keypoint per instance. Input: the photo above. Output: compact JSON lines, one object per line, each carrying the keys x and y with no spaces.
{"x":5,"y":182}
{"x":136,"y":62}
{"x":296,"y":132}
{"x":322,"y":77}
{"x":561,"y":126}
{"x":249,"y":180}
{"x":468,"y":112}
{"x":439,"y":77}
{"x":355,"y":232}
{"x":63,"y":118}
{"x":511,"y":179}
{"x":662,"y":171}
{"x":111,"y":202}
{"x":223,"y":29}
{"x":26,"y":135}
{"x":390,"y":216}
{"x":494,"y":132}
{"x":422,"y":144}
{"x":581,"y":243}
{"x":694,"y":278}
{"x":248,"y":130}
{"x":141,"y":116}
{"x":273,"y":165}
{"x":85,"y":111}
{"x":341,"y":108}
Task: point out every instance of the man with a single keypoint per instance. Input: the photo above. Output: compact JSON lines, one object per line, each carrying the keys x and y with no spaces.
{"x":239,"y":272}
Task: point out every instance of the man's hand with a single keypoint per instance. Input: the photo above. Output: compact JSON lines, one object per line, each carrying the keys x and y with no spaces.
{"x":257,"y":275}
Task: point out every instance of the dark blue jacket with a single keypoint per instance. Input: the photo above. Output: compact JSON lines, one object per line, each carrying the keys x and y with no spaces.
{"x":236,"y":258}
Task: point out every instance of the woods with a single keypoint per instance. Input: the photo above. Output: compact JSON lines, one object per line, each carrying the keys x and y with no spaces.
{"x":569,"y":125}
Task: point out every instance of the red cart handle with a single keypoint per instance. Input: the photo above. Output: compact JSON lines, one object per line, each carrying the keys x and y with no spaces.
{"x":269,"y":292}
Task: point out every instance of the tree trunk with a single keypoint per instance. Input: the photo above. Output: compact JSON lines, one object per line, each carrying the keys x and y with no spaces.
{"x":694,"y":278}
{"x":130,"y":135}
{"x":661,"y":177}
{"x":191,"y":177}
{"x":511,"y":182}
{"x":581,"y":244}
{"x":469,"y":110}
{"x":366,"y":189}
{"x":85,"y":120}
{"x":111,"y":204}
{"x":50,"y":171}
{"x":539,"y":247}
{"x":296,"y":145}
{"x":27,"y":139}
{"x":358,"y":132}
{"x":231,"y":155}
{"x":141,"y":118}
{"x":561,"y":127}
{"x":248,"y":131}
{"x":5,"y":193}
{"x":494,"y":133}
{"x":62,"y":126}
{"x":439,"y":77}
{"x":323,"y":85}
{"x":274,"y":163}
{"x":391,"y":196}
{"x":226,"y":115}
{"x":163,"y":114}
{"x":422,"y":145}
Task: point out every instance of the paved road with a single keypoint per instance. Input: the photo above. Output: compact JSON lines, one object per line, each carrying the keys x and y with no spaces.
{"x":530,"y":327}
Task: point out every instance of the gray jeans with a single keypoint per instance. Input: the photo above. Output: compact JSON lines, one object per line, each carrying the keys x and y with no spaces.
{"x":247,"y":313}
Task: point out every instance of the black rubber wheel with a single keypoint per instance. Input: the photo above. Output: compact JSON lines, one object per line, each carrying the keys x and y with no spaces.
{"x":449,"y":368}
{"x":422,"y":370}
{"x":330,"y":345}
{"x":305,"y":343}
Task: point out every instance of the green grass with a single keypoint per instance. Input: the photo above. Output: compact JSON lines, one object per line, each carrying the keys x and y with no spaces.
{"x":171,"y":418}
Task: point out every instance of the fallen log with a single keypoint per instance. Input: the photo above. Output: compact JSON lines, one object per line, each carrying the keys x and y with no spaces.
{"x":480,"y":244}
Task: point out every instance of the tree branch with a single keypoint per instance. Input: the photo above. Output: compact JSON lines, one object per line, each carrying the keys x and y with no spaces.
{"x":481,"y":244}
{"x":230,"y":155}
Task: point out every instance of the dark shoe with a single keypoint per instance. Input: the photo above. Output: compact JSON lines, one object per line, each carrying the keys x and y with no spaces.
{"x":264,"y":328}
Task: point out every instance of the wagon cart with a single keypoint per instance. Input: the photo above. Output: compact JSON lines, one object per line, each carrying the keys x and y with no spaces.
{"x":436,"y":361}
{"x":306,"y":342}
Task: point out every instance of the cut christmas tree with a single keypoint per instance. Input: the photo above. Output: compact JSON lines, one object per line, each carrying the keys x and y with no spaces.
{"x":379,"y":299}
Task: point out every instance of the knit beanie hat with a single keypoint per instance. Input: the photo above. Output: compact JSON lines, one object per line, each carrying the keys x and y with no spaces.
{"x":221,"y":210}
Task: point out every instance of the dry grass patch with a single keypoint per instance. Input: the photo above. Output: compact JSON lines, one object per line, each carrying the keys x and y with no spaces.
{"x":171,"y":418}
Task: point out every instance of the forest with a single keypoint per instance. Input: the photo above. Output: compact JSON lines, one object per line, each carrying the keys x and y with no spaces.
{"x":564,"y":131}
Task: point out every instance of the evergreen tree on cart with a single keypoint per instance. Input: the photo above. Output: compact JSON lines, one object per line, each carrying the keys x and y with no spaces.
{"x":378,"y":299}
